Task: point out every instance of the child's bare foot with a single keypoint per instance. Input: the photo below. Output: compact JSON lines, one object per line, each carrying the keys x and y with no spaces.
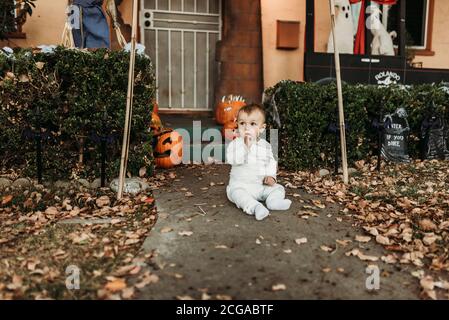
{"x":261,"y":212}
{"x":279,"y":204}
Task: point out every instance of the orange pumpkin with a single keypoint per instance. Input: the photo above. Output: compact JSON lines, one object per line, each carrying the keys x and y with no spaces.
{"x":156,"y":123}
{"x":168,"y":150}
{"x":227,"y":111}
{"x":229,"y":130}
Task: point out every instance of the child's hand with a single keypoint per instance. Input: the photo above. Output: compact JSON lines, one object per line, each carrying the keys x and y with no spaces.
{"x":269,"y":181}
{"x":248,"y":139}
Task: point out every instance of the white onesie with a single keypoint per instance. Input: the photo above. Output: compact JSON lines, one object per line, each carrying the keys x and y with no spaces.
{"x":249,"y":168}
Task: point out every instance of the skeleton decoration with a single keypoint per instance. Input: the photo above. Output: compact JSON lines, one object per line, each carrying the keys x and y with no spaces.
{"x":88,"y":26}
{"x":434,"y":135}
{"x":395,"y":136}
{"x":382,"y":43}
{"x":344,"y":29}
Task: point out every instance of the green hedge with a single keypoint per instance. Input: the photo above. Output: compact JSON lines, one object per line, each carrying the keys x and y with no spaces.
{"x":74,"y":91}
{"x":306,"y":109}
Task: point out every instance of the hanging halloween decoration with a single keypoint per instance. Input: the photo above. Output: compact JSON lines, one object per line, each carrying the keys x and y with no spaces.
{"x":88,"y":27}
{"x":168,"y":150}
{"x":434,"y":137}
{"x":344,"y":29}
{"x":228,"y":108}
{"x":358,"y":12}
{"x":395,"y":136}
{"x":382,"y":43}
{"x":229,"y":130}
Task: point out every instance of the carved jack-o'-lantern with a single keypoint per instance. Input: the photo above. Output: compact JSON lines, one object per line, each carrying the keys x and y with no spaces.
{"x":228,"y":108}
{"x":168,"y":150}
{"x":156,"y":123}
{"x":229,"y":130}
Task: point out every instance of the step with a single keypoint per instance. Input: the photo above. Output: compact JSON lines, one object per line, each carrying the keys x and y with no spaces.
{"x":201,"y":133}
{"x":197,"y":128}
{"x":204,"y":152}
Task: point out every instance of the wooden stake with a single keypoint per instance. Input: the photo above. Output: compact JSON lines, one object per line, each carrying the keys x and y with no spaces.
{"x":129,"y":104}
{"x":341,"y":113}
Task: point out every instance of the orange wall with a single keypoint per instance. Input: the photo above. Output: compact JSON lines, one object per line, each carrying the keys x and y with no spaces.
{"x":282,"y":64}
{"x":440,"y":38}
{"x":126,"y":9}
{"x":45,"y":26}
{"x":287,"y":64}
{"x":47,"y":23}
{"x":322,"y":25}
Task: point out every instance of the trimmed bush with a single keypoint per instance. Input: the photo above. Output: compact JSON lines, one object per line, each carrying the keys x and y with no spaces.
{"x":306,"y":110}
{"x":76,"y":96}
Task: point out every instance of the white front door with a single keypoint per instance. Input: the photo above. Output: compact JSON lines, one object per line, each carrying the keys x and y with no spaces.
{"x":180,"y":37}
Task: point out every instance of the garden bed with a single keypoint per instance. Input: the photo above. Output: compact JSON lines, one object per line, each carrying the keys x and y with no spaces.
{"x":45,"y":233}
{"x":405,"y":208}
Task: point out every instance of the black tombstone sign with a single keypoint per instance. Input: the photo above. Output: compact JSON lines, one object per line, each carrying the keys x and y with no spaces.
{"x":434,"y":134}
{"x":395,"y":135}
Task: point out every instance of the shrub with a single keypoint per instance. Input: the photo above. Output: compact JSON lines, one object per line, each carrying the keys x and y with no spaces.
{"x":307,"y":109}
{"x":76,"y":96}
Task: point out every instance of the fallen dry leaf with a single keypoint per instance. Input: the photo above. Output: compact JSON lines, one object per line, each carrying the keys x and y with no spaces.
{"x":319,"y":204}
{"x":326,"y":248}
{"x":116,"y":285}
{"x":382,"y":240}
{"x":301,"y":240}
{"x":128,"y":293}
{"x":363,"y":239}
{"x":361,"y":256}
{"x":343,"y":243}
{"x":147,"y":279}
{"x":427,"y":225}
{"x":103,"y":201}
{"x":51,"y":211}
{"x":166,"y":230}
{"x":185,"y":233}
{"x":279,"y":287}
{"x":429,"y":239}
{"x":6,"y":199}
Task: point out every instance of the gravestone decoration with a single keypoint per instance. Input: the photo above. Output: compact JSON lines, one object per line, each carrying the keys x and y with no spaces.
{"x":395,"y":136}
{"x":434,"y":135}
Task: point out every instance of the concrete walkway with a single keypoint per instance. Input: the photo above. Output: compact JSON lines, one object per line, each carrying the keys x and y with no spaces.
{"x":207,"y":248}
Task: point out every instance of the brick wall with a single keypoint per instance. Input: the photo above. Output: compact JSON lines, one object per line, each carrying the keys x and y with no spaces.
{"x":240,"y":51}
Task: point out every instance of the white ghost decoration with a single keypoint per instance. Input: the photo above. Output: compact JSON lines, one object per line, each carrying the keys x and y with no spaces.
{"x":344,"y":29}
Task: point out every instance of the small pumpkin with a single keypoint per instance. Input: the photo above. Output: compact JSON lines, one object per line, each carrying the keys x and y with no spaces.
{"x":227,"y":110}
{"x":229,"y":130}
{"x":168,"y":150}
{"x":156,"y":123}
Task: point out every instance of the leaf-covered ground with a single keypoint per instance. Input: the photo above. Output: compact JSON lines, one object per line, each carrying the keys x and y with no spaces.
{"x":405,"y":208}
{"x":46,"y":233}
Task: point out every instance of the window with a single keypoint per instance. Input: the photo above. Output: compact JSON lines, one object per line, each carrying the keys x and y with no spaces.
{"x":418,"y":24}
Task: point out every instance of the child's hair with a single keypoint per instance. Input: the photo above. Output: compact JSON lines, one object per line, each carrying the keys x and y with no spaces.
{"x":250,"y":108}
